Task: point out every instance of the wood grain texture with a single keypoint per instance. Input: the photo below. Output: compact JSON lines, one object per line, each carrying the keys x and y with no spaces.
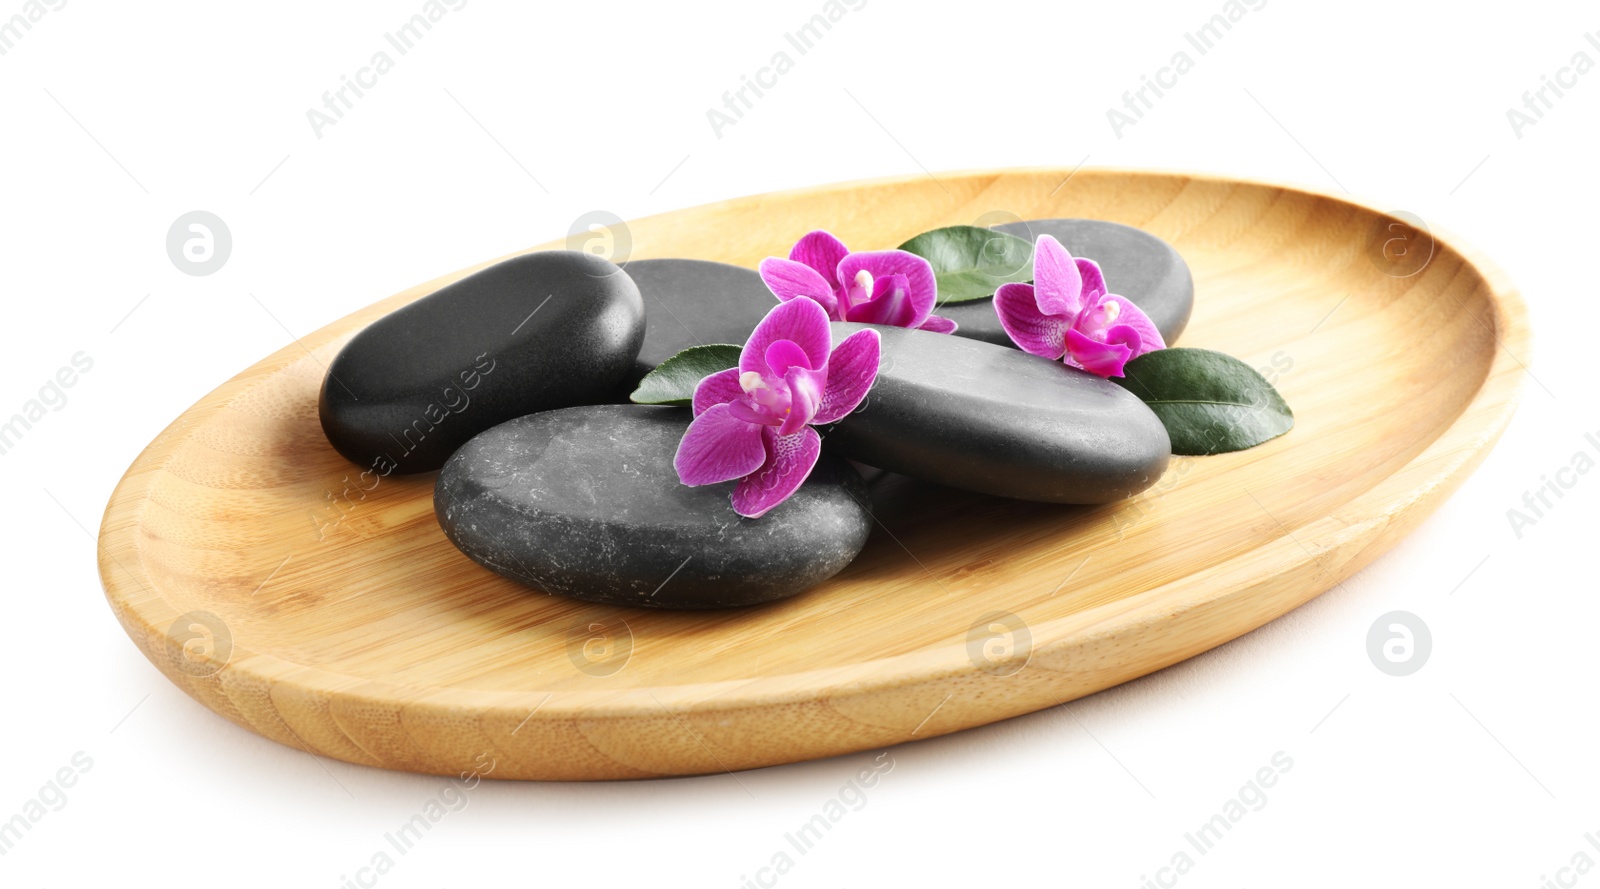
{"x":243,"y":559}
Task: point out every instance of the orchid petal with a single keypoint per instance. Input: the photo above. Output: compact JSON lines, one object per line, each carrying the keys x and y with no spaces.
{"x":718,"y":447}
{"x":1100,"y":359}
{"x":852,"y":369}
{"x":1130,"y":315}
{"x":719,"y":388}
{"x":1058,"y":284}
{"x":788,"y":279}
{"x":785,"y":354}
{"x":938,"y":324}
{"x":789,"y":460}
{"x":821,"y":251}
{"x":802,"y":321}
{"x":1094,"y":280}
{"x":805,"y":393}
{"x":1032,"y":330}
{"x":920,"y":289}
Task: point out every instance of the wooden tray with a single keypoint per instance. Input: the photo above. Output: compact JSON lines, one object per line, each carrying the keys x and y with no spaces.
{"x":243,"y":559}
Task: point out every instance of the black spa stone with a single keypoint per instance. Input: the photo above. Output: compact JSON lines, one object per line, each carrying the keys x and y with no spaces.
{"x":584,"y":502}
{"x":540,"y":331}
{"x":1137,"y":265}
{"x":999,"y":421}
{"x":691,"y":302}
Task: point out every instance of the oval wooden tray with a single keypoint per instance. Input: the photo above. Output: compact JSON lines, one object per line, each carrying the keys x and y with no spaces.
{"x":244,"y":559}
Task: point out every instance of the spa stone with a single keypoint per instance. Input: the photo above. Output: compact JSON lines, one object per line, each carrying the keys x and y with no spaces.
{"x":999,"y":421}
{"x":585,"y":502}
{"x":540,"y":331}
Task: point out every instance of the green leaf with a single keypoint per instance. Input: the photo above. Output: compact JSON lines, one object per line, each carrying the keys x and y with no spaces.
{"x":673,"y":380}
{"x":970,"y":262}
{"x":1211,"y":403}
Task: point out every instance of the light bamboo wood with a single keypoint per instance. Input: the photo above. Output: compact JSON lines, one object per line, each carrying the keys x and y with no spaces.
{"x":346,"y":625}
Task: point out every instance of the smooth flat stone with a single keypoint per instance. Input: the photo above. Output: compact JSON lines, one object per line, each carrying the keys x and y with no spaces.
{"x":1137,"y":265}
{"x":540,"y":331}
{"x":999,"y":421}
{"x":691,"y":302}
{"x":584,"y":502}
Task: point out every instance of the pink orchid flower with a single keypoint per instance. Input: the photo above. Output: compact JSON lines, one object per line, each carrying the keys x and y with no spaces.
{"x":1066,"y":314}
{"x":753,"y":422}
{"x":889,"y":287}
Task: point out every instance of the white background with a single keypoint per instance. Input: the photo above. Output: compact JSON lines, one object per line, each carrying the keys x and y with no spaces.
{"x":507,"y":122}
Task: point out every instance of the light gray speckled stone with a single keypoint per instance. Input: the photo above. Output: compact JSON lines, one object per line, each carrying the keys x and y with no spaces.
{"x":585,"y":502}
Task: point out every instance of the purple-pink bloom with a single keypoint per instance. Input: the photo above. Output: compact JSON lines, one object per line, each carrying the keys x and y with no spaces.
{"x":1066,"y":314}
{"x":753,"y":422}
{"x":890,"y":287}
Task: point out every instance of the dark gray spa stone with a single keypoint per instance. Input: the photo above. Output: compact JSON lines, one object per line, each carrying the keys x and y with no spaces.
{"x":691,"y":302}
{"x":584,"y":502}
{"x":1137,"y":265}
{"x":999,"y":421}
{"x":540,"y":331}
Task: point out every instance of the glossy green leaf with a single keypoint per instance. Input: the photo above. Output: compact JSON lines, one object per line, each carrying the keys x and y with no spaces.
{"x":970,"y":262}
{"x":1211,"y":403}
{"x":673,"y":381}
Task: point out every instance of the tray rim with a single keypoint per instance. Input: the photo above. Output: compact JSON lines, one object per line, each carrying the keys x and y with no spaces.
{"x":1399,"y":502}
